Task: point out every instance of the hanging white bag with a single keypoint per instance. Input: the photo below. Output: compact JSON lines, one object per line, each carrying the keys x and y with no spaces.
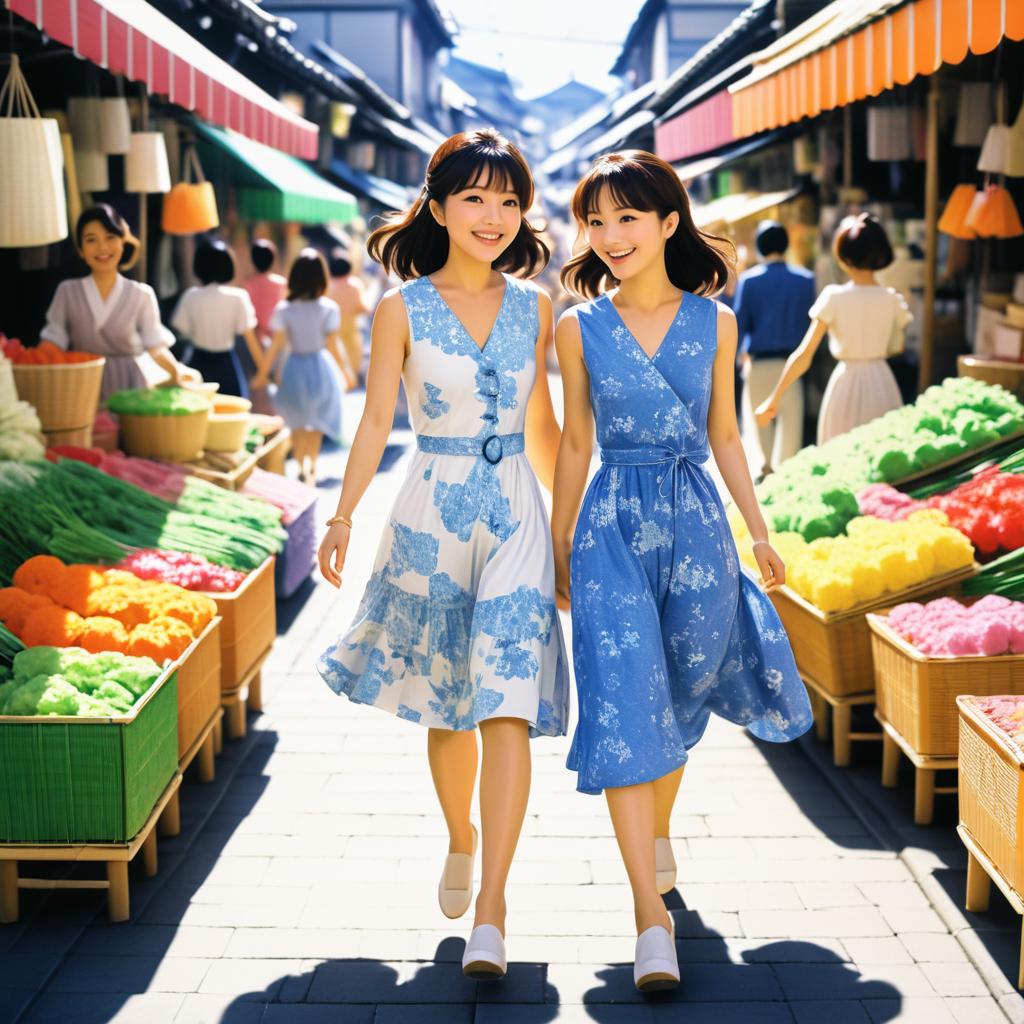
{"x":33,"y":207}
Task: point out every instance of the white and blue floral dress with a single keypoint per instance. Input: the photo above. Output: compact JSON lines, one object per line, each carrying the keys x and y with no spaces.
{"x":667,"y":626}
{"x":458,"y":621}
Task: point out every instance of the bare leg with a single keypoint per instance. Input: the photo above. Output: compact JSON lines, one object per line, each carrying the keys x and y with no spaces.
{"x":504,"y":792}
{"x":316,"y":439}
{"x":665,"y":790}
{"x":632,"y":810}
{"x":300,"y":450}
{"x":453,"y":757}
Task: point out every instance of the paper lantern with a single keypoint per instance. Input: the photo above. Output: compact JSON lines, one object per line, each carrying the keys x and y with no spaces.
{"x":995,"y":150}
{"x":145,"y":166}
{"x":33,"y":209}
{"x":973,"y":113}
{"x":85,"y":113}
{"x":92,"y":170}
{"x":115,"y":126}
{"x":1015,"y":147}
{"x":954,"y":216}
{"x":994,"y":215}
{"x":889,"y":133}
{"x":191,"y":206}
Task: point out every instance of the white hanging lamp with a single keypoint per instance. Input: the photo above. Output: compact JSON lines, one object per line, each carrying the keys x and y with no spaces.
{"x":33,"y":208}
{"x":115,"y":126}
{"x":92,"y":170}
{"x":146,"y":168}
{"x":85,"y":114}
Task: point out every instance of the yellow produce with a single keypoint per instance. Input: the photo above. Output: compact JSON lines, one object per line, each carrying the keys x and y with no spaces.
{"x":875,"y":557}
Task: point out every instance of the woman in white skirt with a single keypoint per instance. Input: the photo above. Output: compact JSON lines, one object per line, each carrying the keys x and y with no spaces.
{"x":865,"y":322}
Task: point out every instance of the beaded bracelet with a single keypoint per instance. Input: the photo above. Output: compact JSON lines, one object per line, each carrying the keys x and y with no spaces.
{"x":340,"y":519}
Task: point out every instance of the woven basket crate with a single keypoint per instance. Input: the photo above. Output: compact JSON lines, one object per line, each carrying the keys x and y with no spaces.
{"x":917,"y":693}
{"x":80,"y":436}
{"x":248,"y":624}
{"x":175,"y":438}
{"x":65,"y":395}
{"x":834,"y":648}
{"x":992,"y":791}
{"x":87,"y":780}
{"x":994,"y":371}
{"x":198,"y":685}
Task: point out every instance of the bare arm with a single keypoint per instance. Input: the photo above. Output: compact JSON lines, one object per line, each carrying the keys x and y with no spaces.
{"x":266,"y":363}
{"x":255,"y":349}
{"x":796,"y":366}
{"x":337,"y":351}
{"x":542,"y":431}
{"x":724,"y":438}
{"x":389,"y":340}
{"x":574,"y":451}
{"x":178,"y":371}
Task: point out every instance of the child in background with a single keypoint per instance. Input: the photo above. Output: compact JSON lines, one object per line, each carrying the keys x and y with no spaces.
{"x":212,"y":316}
{"x":865,"y":322}
{"x":309,"y":396}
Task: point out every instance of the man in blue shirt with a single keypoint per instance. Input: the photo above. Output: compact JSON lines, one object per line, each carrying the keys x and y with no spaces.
{"x":771,"y":305}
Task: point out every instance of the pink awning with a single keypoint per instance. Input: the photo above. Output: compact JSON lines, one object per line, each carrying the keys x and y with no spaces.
{"x":132,"y":38}
{"x":700,"y":129}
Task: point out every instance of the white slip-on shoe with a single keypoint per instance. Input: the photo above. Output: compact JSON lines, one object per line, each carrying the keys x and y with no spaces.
{"x":455,"y":890}
{"x":484,"y":958}
{"x":656,"y":966}
{"x":664,"y":865}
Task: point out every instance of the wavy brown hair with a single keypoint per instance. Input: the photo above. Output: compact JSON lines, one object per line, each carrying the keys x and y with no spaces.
{"x":412,"y":244}
{"x":696,"y":261}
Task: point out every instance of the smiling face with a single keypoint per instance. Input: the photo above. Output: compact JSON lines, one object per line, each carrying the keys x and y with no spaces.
{"x":628,"y":241}
{"x":482,"y":219}
{"x":101,"y":249}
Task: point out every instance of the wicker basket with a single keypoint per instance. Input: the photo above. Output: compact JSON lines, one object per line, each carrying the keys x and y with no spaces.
{"x":87,"y":780}
{"x":917,"y":694}
{"x":248,"y":624}
{"x":65,"y":395}
{"x":834,"y":648}
{"x":992,"y":791}
{"x":198,"y":685}
{"x":175,"y":438}
{"x":80,"y":436}
{"x":994,"y":371}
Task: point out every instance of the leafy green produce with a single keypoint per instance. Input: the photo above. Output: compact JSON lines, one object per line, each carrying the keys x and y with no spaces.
{"x":157,"y":402}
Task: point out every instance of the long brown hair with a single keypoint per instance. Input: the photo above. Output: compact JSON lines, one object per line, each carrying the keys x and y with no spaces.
{"x":694,"y":260}
{"x":307,"y":279}
{"x":412,"y":244}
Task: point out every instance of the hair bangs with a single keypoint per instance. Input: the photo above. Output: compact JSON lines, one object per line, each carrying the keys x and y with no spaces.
{"x":487,"y":167}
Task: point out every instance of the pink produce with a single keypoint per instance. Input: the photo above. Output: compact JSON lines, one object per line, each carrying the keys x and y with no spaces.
{"x":944,"y":627}
{"x":189,"y":571}
{"x":885,"y":502}
{"x":1007,"y":713}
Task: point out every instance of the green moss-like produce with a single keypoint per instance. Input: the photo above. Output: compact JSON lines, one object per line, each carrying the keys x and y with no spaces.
{"x":157,"y":402}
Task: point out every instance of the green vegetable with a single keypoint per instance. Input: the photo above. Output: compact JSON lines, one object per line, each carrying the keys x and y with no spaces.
{"x":157,"y":402}
{"x":10,"y":645}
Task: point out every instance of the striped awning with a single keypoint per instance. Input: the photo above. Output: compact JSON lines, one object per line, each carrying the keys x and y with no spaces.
{"x":132,"y":38}
{"x":854,"y":49}
{"x":700,"y":129}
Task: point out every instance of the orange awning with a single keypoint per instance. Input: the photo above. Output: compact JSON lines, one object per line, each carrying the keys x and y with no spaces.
{"x":854,"y":49}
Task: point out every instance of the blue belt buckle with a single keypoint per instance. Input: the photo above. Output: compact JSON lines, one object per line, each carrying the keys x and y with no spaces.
{"x":487,"y":449}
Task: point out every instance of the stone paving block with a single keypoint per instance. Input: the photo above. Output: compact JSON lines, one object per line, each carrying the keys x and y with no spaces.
{"x":830,"y":895}
{"x":736,"y":896}
{"x":90,"y":973}
{"x":218,"y":1009}
{"x":13,"y":1001}
{"x":718,"y":1013}
{"x":788,"y":951}
{"x":324,"y":943}
{"x":930,"y":947}
{"x":524,"y":983}
{"x":908,"y":1011}
{"x":157,"y":940}
{"x":853,"y":922}
{"x":312,"y":1014}
{"x":128,"y":1008}
{"x":817,"y":1011}
{"x":354,"y":981}
{"x":718,"y":849}
{"x":28,"y":939}
{"x":18,"y":971}
{"x":252,"y":980}
{"x":913,"y":919}
{"x":709,"y":925}
{"x":204,"y":915}
{"x":497,"y":1013}
{"x":975,"y":1010}
{"x":847,"y":981}
{"x":425,"y":1013}
{"x":894,"y":895}
{"x":877,"y":951}
{"x":955,"y":979}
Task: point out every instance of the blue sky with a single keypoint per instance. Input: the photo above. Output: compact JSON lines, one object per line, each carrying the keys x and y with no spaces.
{"x":544,"y":42}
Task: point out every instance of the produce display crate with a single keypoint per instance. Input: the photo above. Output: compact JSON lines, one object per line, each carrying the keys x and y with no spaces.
{"x":991,"y":811}
{"x":298,"y":557}
{"x":88,"y":780}
{"x":1007,"y":374}
{"x":199,"y":685}
{"x":917,"y":693}
{"x":232,"y":479}
{"x":248,"y":625}
{"x":174,"y":438}
{"x":80,"y":436}
{"x":942,"y":469}
{"x":65,"y":395}
{"x":834,"y":648}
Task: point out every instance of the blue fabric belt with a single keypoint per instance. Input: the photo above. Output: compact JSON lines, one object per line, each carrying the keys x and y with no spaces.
{"x":656,"y":455}
{"x":493,"y":448}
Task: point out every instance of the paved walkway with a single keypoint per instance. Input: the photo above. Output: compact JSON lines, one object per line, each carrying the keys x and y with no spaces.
{"x":302,"y":888}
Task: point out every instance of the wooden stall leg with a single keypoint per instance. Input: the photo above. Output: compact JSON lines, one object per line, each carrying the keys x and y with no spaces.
{"x":235,"y":715}
{"x":979,"y":885}
{"x":821,"y":712}
{"x":890,"y":761}
{"x":1020,"y":961}
{"x":8,"y":891}
{"x":924,"y":796}
{"x":149,"y":860}
{"x":255,"y":701}
{"x":118,"y":904}
{"x":218,"y":736}
{"x":205,"y":760}
{"x":170,"y":820}
{"x":841,"y":735}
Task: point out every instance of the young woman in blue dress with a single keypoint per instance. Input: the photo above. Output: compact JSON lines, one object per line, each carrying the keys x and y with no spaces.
{"x":666,"y":626}
{"x":457,"y":629}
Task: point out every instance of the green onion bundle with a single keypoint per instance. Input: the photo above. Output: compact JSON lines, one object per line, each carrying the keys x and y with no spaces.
{"x":1004,"y":576}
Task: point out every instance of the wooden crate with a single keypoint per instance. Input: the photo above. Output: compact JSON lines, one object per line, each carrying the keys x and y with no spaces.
{"x":1008,"y":374}
{"x":834,"y":648}
{"x":199,"y":677}
{"x":991,"y":811}
{"x":248,"y":625}
{"x":917,"y":693}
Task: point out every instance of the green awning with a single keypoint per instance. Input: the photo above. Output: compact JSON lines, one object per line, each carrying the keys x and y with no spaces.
{"x":271,"y":185}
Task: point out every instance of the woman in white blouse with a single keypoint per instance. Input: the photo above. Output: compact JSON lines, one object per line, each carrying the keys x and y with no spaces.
{"x":109,"y":314}
{"x":213,"y":315}
{"x":865,"y":322}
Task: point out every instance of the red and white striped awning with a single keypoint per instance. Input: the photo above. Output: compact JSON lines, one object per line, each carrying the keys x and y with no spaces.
{"x":132,"y":38}
{"x":703,"y":127}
